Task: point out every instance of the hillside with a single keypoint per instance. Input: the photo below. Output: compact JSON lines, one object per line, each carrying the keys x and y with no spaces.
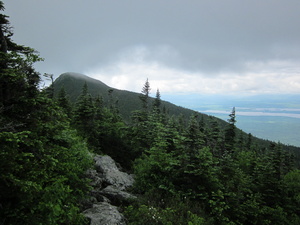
{"x":189,"y":168}
{"x":128,"y":101}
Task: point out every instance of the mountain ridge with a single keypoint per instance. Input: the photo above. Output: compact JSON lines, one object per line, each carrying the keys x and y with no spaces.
{"x":128,"y":101}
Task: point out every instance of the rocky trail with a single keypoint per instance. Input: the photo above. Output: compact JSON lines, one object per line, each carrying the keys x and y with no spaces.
{"x":109,"y":192}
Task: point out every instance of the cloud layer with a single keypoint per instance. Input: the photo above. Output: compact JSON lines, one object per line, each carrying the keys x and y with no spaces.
{"x":135,"y":65}
{"x":204,"y":46}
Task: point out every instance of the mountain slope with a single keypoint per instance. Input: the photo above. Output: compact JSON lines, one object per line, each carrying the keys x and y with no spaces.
{"x":128,"y":101}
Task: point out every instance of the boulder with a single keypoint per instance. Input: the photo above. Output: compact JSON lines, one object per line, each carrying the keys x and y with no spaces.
{"x":99,"y":196}
{"x":109,"y":190}
{"x":117,"y":196}
{"x":104,"y":214}
{"x":111,"y":173}
{"x":97,"y":179}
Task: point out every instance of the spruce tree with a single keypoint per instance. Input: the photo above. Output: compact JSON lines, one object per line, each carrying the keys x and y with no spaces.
{"x":18,"y":78}
{"x":194,"y":137}
{"x":157,"y":101}
{"x":230,"y":132}
{"x":214,"y":137}
{"x":84,"y":112}
{"x":145,"y":96}
{"x":64,"y":102}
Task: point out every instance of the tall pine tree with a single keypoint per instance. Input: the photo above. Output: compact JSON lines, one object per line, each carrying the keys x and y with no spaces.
{"x":145,"y":98}
{"x":230,"y":132}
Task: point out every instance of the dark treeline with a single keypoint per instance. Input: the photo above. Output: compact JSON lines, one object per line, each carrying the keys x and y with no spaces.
{"x":191,"y":171}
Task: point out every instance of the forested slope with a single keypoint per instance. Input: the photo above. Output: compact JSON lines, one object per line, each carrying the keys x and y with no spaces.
{"x":191,"y":170}
{"x":127,"y":102}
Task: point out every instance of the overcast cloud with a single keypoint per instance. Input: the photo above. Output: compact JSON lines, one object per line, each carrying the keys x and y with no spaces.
{"x":209,"y":46}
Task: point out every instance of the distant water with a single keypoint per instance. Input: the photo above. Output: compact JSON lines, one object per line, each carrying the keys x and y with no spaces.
{"x":272,"y":117}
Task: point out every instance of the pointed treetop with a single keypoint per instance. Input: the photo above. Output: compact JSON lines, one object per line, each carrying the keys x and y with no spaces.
{"x":157,"y":100}
{"x":232,"y":119}
{"x":146,"y":89}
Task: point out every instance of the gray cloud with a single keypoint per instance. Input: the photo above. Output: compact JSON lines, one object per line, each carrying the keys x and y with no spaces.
{"x":211,"y":37}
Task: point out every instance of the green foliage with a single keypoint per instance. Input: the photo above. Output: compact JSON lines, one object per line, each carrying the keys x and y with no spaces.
{"x":147,"y":214}
{"x":145,"y":95}
{"x":84,"y":112}
{"x":129,"y":102}
{"x":42,"y":160}
{"x":157,"y":163}
{"x":64,"y":102}
{"x":230,"y":132}
{"x":43,"y":173}
{"x":102,"y":127}
{"x":157,"y":101}
{"x":244,"y":186}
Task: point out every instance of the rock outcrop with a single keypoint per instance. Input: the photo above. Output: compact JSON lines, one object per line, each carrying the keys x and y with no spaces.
{"x":109,"y":191}
{"x":105,"y":214}
{"x":111,"y":173}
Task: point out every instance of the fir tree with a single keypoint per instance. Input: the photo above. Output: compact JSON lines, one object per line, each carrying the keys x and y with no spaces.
{"x":84,"y":112}
{"x":230,"y":132}
{"x":145,"y":95}
{"x":18,"y":78}
{"x":64,"y":102}
{"x":157,"y":101}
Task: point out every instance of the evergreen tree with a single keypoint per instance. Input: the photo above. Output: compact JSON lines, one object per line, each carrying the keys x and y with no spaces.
{"x":64,"y":102}
{"x":230,"y":132}
{"x":141,"y":126}
{"x":50,"y":89}
{"x":291,"y":183}
{"x":202,"y":124}
{"x":84,"y":112}
{"x":99,"y":105}
{"x":214,"y":137}
{"x":18,"y":78}
{"x":113,"y":104}
{"x":157,"y":101}
{"x":42,"y":160}
{"x":194,"y":137}
{"x":145,"y":96}
{"x":249,"y":141}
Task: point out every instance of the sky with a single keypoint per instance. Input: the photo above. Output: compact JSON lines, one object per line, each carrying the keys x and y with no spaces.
{"x":182,"y":46}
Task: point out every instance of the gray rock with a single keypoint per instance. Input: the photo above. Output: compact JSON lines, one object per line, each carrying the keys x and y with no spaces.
{"x":88,"y":202}
{"x":111,"y":173}
{"x":104,"y":214}
{"x":117,"y":196}
{"x":109,"y":185}
{"x":99,"y":196}
{"x":96,"y":178}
